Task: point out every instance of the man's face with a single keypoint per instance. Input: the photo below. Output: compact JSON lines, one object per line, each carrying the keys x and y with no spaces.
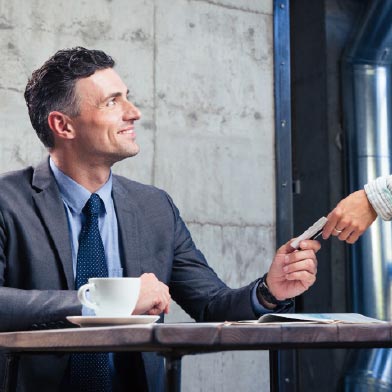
{"x":104,"y":128}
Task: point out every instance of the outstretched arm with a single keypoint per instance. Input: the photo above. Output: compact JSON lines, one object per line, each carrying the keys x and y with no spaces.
{"x":350,"y":218}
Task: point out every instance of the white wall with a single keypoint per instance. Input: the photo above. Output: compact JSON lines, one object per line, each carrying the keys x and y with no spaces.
{"x":201,"y":72}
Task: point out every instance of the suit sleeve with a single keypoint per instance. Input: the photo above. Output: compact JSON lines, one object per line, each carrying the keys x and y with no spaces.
{"x":197,"y":288}
{"x":31,"y":309}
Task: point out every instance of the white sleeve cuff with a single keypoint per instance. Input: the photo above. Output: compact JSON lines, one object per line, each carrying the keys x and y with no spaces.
{"x":379,"y":195}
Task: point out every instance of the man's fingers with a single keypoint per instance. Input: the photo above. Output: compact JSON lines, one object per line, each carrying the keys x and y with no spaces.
{"x":286,"y":248}
{"x":305,"y":278}
{"x":310,"y":245}
{"x":300,"y":255}
{"x":163,"y":297}
{"x":154,"y":312}
{"x":154,"y":297}
{"x":305,"y":244}
{"x":160,"y":305}
{"x":308,"y":265}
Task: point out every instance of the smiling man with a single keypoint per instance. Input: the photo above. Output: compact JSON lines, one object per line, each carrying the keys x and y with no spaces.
{"x":70,"y":218}
{"x":103,"y":131}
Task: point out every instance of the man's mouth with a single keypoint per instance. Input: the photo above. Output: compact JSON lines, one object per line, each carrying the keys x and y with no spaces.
{"x":126,"y":132}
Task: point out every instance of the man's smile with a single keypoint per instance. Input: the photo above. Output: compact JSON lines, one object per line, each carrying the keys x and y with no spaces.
{"x":127,"y":131}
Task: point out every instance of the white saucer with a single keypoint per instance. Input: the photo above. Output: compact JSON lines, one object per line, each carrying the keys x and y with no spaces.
{"x":94,"y":321}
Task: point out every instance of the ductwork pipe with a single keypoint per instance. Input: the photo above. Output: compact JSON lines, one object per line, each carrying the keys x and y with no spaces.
{"x":367,"y":96}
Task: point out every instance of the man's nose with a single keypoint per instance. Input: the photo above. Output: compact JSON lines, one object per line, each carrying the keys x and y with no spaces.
{"x":132,"y":112}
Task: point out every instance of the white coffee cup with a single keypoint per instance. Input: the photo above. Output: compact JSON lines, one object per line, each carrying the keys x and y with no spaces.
{"x":110,"y":297}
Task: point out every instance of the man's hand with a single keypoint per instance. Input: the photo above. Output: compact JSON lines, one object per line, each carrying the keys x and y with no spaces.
{"x":154,"y":297}
{"x":350,"y":218}
{"x":293,"y":271}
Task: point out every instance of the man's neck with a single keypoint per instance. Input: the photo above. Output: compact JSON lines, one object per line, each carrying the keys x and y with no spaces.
{"x":90,"y":176}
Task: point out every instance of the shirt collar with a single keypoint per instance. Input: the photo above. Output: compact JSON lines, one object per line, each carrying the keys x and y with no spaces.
{"x":74,"y":194}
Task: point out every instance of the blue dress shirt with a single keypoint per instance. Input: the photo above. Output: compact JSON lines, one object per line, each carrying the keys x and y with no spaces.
{"x":75,"y":197}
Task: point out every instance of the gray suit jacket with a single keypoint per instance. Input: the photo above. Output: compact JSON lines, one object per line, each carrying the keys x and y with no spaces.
{"x":36,"y":279}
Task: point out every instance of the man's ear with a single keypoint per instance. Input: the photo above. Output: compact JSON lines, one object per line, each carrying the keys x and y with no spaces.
{"x":60,"y":125}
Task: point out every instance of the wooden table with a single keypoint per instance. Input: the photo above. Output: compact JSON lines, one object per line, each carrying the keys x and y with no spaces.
{"x":176,"y":340}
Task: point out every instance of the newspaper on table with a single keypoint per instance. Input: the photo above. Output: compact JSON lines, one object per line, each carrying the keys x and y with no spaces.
{"x":323,"y":318}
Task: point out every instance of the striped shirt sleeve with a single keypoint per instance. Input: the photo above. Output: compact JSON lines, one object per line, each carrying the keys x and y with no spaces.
{"x":379,"y":193}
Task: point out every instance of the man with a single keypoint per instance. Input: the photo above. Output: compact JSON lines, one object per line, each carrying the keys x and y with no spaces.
{"x":354,"y":214}
{"x":79,"y":108}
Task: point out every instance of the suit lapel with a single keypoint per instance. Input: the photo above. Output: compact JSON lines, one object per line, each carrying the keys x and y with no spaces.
{"x":51,"y":209}
{"x":126,"y":213}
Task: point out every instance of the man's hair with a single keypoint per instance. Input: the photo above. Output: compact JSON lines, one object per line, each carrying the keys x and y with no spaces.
{"x":52,"y":87}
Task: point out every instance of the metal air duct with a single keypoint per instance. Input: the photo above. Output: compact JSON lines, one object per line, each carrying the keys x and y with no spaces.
{"x":367,"y":101}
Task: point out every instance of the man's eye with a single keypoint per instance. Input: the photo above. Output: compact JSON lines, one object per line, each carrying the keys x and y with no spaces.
{"x":112,"y":102}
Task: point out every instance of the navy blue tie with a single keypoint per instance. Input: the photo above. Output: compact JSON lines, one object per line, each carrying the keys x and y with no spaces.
{"x":90,"y":371}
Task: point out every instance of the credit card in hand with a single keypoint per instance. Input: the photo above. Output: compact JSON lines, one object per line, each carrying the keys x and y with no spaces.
{"x":311,"y":233}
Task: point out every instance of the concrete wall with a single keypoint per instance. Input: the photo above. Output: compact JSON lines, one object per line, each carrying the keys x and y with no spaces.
{"x":201,"y":72}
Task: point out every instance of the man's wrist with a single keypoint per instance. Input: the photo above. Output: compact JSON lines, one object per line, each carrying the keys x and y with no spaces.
{"x":267,"y":299}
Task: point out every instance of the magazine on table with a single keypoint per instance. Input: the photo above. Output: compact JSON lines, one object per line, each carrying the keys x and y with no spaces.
{"x":323,"y":318}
